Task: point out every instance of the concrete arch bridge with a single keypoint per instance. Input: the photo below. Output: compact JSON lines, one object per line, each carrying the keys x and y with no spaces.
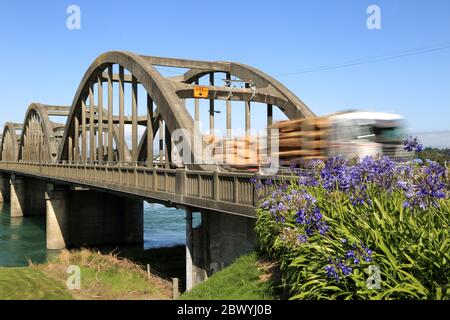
{"x":90,"y":165}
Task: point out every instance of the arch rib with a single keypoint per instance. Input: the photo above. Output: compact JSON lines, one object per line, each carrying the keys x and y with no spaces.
{"x":170,"y":105}
{"x":10,"y":142}
{"x":292,"y":105}
{"x":50,"y":141}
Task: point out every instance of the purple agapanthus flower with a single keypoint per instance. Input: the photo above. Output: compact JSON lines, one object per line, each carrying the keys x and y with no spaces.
{"x":358,"y":252}
{"x":332,"y":272}
{"x":412,"y":144}
{"x":335,"y":267}
{"x":310,"y":217}
{"x":336,"y":174}
{"x":426,"y":187}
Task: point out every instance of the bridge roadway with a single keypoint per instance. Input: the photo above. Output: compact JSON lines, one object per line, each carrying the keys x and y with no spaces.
{"x":223,"y":192}
{"x":73,"y":163}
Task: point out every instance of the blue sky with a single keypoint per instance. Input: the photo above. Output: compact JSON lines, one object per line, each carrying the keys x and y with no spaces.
{"x":42,"y":61}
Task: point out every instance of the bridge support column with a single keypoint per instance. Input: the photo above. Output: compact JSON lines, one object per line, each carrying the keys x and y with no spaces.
{"x":35,"y":197}
{"x":201,"y":254}
{"x":18,"y":196}
{"x":195,"y":253}
{"x":57,"y":208}
{"x":4,"y":188}
{"x":101,"y":218}
{"x":88,"y":218}
{"x":27,"y":195}
{"x":228,"y":237}
{"x":189,"y":251}
{"x":216,"y":243}
{"x":133,"y":221}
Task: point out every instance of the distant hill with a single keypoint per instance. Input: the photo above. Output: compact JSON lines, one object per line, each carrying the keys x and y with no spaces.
{"x":439,"y":155}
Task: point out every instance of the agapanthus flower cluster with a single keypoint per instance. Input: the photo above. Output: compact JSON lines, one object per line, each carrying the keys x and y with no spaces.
{"x":299,"y":204}
{"x":404,"y":172}
{"x":336,"y":174}
{"x":290,"y":237}
{"x":276,"y":204}
{"x":342,"y":266}
{"x":332,"y":271}
{"x":378,"y":171}
{"x":353,"y":179}
{"x":336,"y":268}
{"x":311,"y":219}
{"x":423,"y":183}
{"x":283,"y":201}
{"x":310,"y":175}
{"x":358,"y":253}
{"x":426,"y":187}
{"x":412,"y":144}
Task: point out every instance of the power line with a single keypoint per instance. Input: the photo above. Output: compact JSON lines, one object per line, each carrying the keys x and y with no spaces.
{"x":356,"y":62}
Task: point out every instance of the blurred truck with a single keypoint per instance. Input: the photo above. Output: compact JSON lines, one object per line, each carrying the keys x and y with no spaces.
{"x":349,"y":134}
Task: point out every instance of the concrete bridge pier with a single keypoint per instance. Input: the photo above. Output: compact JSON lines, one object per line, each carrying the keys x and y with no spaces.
{"x":27,"y":196}
{"x":88,"y":218}
{"x":35,"y":197}
{"x":4,"y":187}
{"x":18,"y":196}
{"x":57,"y":215}
{"x":196,"y":252}
{"x":215,"y":244}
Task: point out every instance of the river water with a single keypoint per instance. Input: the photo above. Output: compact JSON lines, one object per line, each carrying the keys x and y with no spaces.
{"x":23,"y":239}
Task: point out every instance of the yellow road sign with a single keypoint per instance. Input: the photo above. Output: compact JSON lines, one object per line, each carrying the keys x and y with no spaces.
{"x":201,"y":92}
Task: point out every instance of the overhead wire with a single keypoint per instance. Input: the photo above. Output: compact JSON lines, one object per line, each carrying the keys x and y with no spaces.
{"x":362,"y":61}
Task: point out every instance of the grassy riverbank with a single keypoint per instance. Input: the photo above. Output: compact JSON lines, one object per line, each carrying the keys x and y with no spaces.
{"x":249,"y":278}
{"x":102,"y":276}
{"x":106,"y":276}
{"x":167,"y":262}
{"x":30,"y":284}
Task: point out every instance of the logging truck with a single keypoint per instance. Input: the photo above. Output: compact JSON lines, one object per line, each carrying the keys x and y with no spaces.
{"x":349,"y":134}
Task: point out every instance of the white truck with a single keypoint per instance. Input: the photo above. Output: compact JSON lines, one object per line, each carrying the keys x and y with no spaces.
{"x":363,"y":133}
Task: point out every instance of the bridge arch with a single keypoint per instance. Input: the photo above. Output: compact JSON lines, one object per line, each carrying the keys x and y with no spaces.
{"x":170,"y":108}
{"x":10,"y":141}
{"x":280,"y":95}
{"x":96,"y":133}
{"x":40,"y":136}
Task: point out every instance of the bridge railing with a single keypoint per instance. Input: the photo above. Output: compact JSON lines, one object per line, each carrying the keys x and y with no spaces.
{"x":223,"y":191}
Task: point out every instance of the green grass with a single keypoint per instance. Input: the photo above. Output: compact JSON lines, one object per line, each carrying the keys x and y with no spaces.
{"x":243,"y":280}
{"x":115,"y":284}
{"x":106,"y":276}
{"x":167,"y":263}
{"x":30,"y":284}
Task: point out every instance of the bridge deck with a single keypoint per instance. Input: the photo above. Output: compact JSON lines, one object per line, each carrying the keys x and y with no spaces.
{"x":232,"y":193}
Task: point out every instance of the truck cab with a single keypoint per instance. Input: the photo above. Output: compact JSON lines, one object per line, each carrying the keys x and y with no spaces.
{"x":363,"y":133}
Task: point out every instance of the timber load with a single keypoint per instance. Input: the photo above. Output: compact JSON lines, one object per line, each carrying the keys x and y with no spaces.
{"x":246,"y":152}
{"x":302,"y":139}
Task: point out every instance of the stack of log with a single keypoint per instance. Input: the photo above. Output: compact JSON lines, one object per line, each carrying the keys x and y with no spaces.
{"x":239,"y":152}
{"x":299,"y":140}
{"x":302,"y":139}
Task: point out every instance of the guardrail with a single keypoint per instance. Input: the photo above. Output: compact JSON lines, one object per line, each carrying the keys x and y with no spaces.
{"x":228,"y":192}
